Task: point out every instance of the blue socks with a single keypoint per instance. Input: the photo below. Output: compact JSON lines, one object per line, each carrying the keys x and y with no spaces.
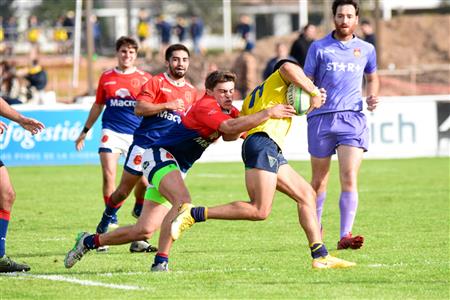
{"x":198,"y":213}
{"x":318,"y":250}
{"x":4,"y":221}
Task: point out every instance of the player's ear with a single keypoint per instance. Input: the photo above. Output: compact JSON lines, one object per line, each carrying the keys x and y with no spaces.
{"x":209,"y":92}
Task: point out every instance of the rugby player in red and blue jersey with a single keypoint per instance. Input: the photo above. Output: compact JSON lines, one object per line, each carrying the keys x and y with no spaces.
{"x":168,"y":157}
{"x":117,"y":91}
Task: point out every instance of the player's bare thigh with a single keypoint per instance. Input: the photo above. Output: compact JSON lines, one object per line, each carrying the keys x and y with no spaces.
{"x":261,"y":186}
{"x":294,"y":185}
{"x":7,"y":194}
{"x":151,"y":217}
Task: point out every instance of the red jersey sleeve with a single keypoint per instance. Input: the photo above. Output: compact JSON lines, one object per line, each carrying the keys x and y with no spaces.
{"x":100,"y":94}
{"x":149,"y":90}
{"x":211,"y":115}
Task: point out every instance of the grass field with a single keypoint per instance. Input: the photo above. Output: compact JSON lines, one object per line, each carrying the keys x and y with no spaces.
{"x":403,"y":213}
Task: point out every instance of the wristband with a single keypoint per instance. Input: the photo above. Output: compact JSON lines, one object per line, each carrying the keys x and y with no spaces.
{"x":85,"y":129}
{"x":315,"y":92}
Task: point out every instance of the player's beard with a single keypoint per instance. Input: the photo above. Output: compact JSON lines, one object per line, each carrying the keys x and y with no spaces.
{"x":177,"y":73}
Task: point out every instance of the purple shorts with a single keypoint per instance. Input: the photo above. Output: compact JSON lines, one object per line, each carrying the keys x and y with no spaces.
{"x":327,"y":131}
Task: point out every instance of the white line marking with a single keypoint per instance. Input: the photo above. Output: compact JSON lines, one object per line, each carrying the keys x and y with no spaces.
{"x":75,"y":280}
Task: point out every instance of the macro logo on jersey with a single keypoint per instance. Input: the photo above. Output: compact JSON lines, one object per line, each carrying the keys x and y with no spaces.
{"x":123,"y":93}
{"x":170,"y":116}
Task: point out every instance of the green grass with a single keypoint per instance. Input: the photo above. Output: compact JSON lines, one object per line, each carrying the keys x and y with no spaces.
{"x":403,"y":213}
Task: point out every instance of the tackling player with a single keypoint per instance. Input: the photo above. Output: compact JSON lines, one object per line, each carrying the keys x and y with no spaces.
{"x":161,"y":102}
{"x":266,"y":169}
{"x":338,"y":63}
{"x":117,"y":90}
{"x":170,"y":157}
{"x":7,"y":194}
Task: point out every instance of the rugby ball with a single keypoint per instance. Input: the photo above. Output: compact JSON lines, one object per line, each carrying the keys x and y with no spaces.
{"x":298,"y":98}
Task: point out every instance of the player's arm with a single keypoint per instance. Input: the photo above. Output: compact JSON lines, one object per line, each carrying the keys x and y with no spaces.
{"x":232,"y":129}
{"x":294,"y":74}
{"x":10,"y":113}
{"x":146,"y":109}
{"x":372,"y":88}
{"x":94,"y":113}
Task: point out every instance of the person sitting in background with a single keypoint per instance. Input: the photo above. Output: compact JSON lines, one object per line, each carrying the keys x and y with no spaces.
{"x":301,"y":45}
{"x":37,"y":81}
{"x":282,"y":52}
{"x":9,"y":83}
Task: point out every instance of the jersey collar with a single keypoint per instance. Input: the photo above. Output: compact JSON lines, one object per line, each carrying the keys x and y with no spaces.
{"x":172,"y":81}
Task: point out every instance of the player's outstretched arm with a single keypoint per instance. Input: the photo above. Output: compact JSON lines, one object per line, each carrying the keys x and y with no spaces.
{"x":94,"y":113}
{"x":147,"y":109}
{"x":32,"y":125}
{"x":233,"y":128}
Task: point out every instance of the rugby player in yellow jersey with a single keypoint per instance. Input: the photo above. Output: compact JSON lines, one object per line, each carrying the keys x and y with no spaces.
{"x":267,"y":170}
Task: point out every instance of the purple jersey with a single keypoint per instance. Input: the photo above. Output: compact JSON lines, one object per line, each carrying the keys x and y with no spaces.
{"x":339,"y":68}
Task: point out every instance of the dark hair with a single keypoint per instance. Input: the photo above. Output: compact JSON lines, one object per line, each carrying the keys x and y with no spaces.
{"x":176,"y":47}
{"x":126,"y":40}
{"x":282,"y":62}
{"x":365,"y":22}
{"x":217,"y":76}
{"x":337,"y":3}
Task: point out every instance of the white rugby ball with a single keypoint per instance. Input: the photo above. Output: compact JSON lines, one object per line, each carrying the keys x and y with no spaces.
{"x":298,"y":98}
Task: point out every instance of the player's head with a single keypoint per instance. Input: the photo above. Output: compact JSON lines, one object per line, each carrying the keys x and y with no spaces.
{"x":220,"y":85}
{"x":345,"y":16}
{"x":126,"y":52}
{"x":282,"y":62}
{"x":177,"y":60}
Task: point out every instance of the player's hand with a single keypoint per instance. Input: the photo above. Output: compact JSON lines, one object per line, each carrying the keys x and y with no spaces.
{"x":31,"y":125}
{"x":317,"y":101}
{"x":79,"y":142}
{"x":175,"y":105}
{"x":281,"y":111}
{"x":3,"y":127}
{"x":372,"y":102}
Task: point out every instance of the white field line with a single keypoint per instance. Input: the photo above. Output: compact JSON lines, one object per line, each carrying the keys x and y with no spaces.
{"x":75,"y":280}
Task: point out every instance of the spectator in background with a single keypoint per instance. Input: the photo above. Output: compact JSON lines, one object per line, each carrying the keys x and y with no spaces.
{"x":165,"y":33}
{"x":245,"y":69}
{"x":60,"y":35}
{"x":37,"y":81}
{"x":10,"y":34}
{"x":244,"y":28}
{"x":96,"y":32}
{"x":196,"y":33}
{"x":143,"y":26}
{"x":282,"y":52}
{"x":33,"y":36}
{"x":300,"y":47}
{"x":368,"y":34}
{"x":180,"y":29}
{"x":69,"y":24}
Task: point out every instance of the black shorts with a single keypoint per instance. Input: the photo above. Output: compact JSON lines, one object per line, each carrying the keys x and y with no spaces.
{"x":259,"y":151}
{"x":1,"y":163}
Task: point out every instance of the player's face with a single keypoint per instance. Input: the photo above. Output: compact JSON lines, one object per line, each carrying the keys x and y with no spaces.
{"x":178,"y":64}
{"x":223,"y":93}
{"x":126,"y":57}
{"x":345,"y":21}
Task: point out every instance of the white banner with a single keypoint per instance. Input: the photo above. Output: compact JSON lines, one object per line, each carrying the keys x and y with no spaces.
{"x":401,"y":127}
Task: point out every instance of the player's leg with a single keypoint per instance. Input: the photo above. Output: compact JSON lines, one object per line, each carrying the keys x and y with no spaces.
{"x":115,"y":201}
{"x":293,"y":185}
{"x":349,"y":163}
{"x":139,"y":193}
{"x":149,"y":221}
{"x":320,"y":173}
{"x":321,"y":145}
{"x":353,"y":140}
{"x":7,"y":198}
{"x":109,"y":162}
{"x":172,"y":187}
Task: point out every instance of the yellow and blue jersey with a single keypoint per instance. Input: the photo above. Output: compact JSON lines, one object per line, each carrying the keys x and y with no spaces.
{"x":270,"y":93}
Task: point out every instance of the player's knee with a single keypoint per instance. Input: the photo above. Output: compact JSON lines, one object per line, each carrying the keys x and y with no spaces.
{"x":143,"y":233}
{"x":261,"y":214}
{"x":121,"y":193}
{"x":8,"y":196}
